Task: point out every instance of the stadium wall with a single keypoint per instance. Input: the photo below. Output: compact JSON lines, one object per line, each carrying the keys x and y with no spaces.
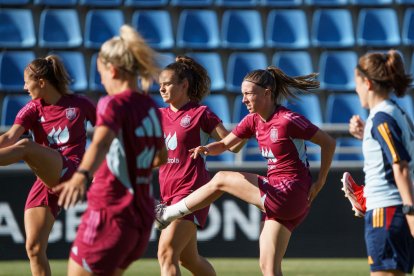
{"x":232,"y":230}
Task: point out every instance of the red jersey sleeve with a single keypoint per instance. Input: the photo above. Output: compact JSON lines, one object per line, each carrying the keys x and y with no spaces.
{"x":27,"y":116}
{"x":106,"y":111}
{"x":209,"y":120}
{"x":246,"y":128}
{"x":299,"y":127}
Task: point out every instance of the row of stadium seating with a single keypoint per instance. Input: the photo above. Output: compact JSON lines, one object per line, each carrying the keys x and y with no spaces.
{"x":199,"y":29}
{"x":336,"y":68}
{"x":205,"y":3}
{"x":338,"y":108}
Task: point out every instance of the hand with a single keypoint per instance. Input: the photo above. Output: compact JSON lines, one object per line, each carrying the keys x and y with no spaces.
{"x":71,"y":191}
{"x":314,"y":191}
{"x":198,"y":150}
{"x":356,"y":127}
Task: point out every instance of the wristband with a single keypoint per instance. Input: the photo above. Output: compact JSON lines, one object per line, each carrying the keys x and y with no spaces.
{"x":88,"y":178}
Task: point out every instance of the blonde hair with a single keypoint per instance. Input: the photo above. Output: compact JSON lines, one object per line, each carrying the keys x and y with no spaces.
{"x":50,"y":68}
{"x":131,"y":54}
{"x":386,"y":70}
{"x":279,"y":83}
{"x":198,"y":80}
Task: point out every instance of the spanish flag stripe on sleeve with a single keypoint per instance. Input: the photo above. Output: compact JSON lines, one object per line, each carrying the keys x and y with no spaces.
{"x":386,"y":135}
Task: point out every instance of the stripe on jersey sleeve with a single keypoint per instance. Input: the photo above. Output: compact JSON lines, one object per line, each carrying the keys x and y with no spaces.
{"x":384,"y":131}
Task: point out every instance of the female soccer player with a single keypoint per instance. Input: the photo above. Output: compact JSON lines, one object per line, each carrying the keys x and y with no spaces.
{"x":127,"y":143}
{"x":57,"y":120}
{"x":287,"y":191}
{"x":388,"y":148}
{"x":187,"y":124}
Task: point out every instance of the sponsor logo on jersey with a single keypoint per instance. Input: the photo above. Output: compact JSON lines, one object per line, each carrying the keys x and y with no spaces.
{"x":171,"y":141}
{"x":58,"y":136}
{"x":173,"y":160}
{"x":268,"y":154}
{"x":70,"y":113}
{"x":273,"y":134}
{"x":185,"y":121}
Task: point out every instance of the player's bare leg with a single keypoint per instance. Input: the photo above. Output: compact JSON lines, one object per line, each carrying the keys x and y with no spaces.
{"x":274,"y":240}
{"x":38,"y":223}
{"x":45,"y":162}
{"x":178,"y":244}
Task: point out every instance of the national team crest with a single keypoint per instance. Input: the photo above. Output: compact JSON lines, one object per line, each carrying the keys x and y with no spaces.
{"x":273,"y":135}
{"x":70,"y":113}
{"x":185,"y":121}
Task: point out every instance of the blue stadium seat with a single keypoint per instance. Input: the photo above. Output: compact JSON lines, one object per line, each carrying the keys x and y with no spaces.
{"x":251,"y":152}
{"x":293,"y":63}
{"x":219,"y":105}
{"x":59,"y":28}
{"x":10,"y":107}
{"x":371,"y":2}
{"x":281,"y":3}
{"x":145,"y":3}
{"x":348,"y":149}
{"x":241,"y":63}
{"x":101,"y":3}
{"x":191,"y":3}
{"x":163,"y":59}
{"x":340,"y":107}
{"x":332,"y":28}
{"x":16,"y":28}
{"x":239,"y":109}
{"x":378,"y":28}
{"x":12,"y":65}
{"x":337,"y":70}
{"x":211,"y":61}
{"x":287,"y":29}
{"x":94,"y":77}
{"x":75,"y":65}
{"x":56,"y":2}
{"x":155,"y":26}
{"x":309,"y":106}
{"x":101,"y":25}
{"x":14,"y":2}
{"x":330,"y":3}
{"x":405,"y":2}
{"x":406,"y":103}
{"x":408,"y":27}
{"x":159,"y":101}
{"x":198,"y":29}
{"x":242,"y":29}
{"x":412,"y":65}
{"x":236,"y":3}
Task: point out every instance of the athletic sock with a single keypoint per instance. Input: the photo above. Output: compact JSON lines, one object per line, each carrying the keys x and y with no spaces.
{"x":177,"y":210}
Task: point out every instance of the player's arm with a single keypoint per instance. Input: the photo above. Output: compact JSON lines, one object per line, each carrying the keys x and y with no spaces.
{"x":220,"y":132}
{"x":11,"y":136}
{"x":327,"y":144}
{"x":218,"y":147}
{"x":160,"y":157}
{"x":403,"y":180}
{"x":74,"y":190}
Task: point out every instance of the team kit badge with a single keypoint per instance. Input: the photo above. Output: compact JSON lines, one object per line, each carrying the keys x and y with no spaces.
{"x":273,"y":135}
{"x":185,"y":121}
{"x":70,"y":113}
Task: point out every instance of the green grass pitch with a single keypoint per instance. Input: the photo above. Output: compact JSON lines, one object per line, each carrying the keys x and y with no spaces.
{"x":223,"y":266}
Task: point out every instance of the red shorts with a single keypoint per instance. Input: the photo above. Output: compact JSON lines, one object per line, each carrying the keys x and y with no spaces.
{"x":105,"y":242}
{"x":284,"y":200}
{"x":42,"y":195}
{"x":199,"y":217}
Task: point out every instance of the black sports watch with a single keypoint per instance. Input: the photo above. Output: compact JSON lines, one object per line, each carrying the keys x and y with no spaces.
{"x":408,"y":209}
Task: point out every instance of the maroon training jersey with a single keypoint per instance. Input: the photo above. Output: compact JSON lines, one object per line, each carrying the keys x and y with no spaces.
{"x":61,"y":126}
{"x":121,"y":184}
{"x":185,"y":129}
{"x":281,"y":141}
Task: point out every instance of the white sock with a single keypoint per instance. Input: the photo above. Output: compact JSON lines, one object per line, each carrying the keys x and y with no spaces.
{"x":177,"y":210}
